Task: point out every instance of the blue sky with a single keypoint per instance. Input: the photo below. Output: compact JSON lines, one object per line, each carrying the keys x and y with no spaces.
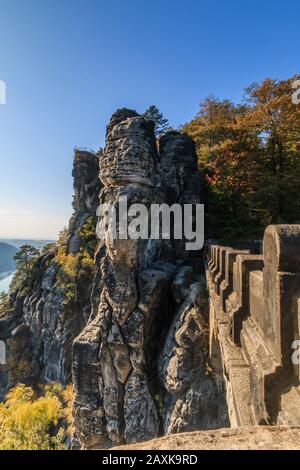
{"x":68,"y":64}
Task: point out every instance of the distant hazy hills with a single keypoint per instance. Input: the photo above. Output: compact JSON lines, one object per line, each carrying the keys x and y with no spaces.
{"x":18,"y":242}
{"x":8,"y":249}
{"x":7,"y":252}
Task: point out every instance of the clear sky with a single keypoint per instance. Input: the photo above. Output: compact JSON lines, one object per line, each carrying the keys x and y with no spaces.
{"x":68,"y":64}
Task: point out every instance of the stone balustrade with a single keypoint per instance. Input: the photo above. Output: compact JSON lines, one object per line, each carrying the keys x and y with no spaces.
{"x":254,"y":323}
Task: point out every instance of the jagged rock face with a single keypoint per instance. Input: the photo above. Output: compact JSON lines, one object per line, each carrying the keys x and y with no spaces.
{"x":193,"y":398}
{"x":178,"y":161}
{"x":86,"y":182}
{"x":53,"y":325}
{"x":182,"y":181}
{"x":86,"y":194}
{"x":115,"y":370}
{"x":130,"y":154}
{"x":15,"y":335}
{"x":114,"y":402}
{"x":139,"y":357}
{"x":44,"y":323}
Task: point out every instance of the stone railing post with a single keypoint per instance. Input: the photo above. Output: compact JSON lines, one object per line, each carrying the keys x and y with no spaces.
{"x":281,"y":281}
{"x":237,"y":305}
{"x":226,"y":286}
{"x":215,"y":262}
{"x":220,"y":276}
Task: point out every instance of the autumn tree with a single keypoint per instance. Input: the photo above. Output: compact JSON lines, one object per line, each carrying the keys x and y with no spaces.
{"x":249,"y":155}
{"x":226,"y":157}
{"x":36,"y":419}
{"x":275,"y":119}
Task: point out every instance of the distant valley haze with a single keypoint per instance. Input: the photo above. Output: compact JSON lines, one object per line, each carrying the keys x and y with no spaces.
{"x":7,"y":263}
{"x":18,"y":242}
{"x":8,"y":249}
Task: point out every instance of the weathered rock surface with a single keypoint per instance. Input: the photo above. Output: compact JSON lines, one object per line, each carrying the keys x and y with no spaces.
{"x":139,"y":290}
{"x":182,"y":181}
{"x":243,"y":438}
{"x":139,"y":360}
{"x":41,"y":329}
{"x":53,"y":323}
{"x":86,"y":195}
{"x":131,"y":300}
{"x":193,"y":398}
{"x":130,"y":153}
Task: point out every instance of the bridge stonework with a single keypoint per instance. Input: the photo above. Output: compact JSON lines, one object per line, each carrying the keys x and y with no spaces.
{"x":254,"y":321}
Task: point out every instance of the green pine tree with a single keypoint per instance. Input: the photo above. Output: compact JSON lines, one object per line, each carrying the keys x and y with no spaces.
{"x":161,"y":124}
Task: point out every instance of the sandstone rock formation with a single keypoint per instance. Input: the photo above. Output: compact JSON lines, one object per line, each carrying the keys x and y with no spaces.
{"x":112,"y":397}
{"x":139,"y":314}
{"x":183,"y":183}
{"x":40,"y":329}
{"x":244,"y":438}
{"x":119,"y":388}
{"x":194,"y":399}
{"x":151,"y":351}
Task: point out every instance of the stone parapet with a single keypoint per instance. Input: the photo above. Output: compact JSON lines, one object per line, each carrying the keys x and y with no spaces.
{"x":254,"y":327}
